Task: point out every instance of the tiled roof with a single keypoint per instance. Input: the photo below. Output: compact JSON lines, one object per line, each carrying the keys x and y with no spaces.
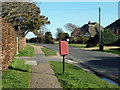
{"x":114,"y":24}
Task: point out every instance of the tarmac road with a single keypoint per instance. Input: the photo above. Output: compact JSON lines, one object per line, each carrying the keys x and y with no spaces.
{"x":104,"y":63}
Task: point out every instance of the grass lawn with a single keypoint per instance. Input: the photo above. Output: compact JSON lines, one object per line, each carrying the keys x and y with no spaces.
{"x":27,"y":51}
{"x":114,"y":51}
{"x":78,"y":45}
{"x":75,"y":77}
{"x":48,"y":52}
{"x":17,"y":75}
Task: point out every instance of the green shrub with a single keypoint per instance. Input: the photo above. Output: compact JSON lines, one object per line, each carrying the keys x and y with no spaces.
{"x":108,"y":37}
{"x":92,"y":41}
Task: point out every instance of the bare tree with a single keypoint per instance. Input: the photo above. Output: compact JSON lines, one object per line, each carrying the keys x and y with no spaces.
{"x":70,"y":27}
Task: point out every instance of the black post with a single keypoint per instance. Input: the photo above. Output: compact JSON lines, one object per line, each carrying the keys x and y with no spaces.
{"x":63,"y":64}
{"x":99,"y":28}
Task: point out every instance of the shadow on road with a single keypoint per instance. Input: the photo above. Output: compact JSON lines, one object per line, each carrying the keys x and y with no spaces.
{"x":106,"y":62}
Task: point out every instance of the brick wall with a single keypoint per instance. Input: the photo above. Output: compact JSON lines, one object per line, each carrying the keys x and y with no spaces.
{"x":22,"y":43}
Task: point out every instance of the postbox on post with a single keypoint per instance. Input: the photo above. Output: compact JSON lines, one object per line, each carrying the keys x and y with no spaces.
{"x":63,"y":45}
{"x":63,"y":48}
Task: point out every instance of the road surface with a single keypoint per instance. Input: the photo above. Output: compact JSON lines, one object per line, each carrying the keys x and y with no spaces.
{"x":104,"y":63}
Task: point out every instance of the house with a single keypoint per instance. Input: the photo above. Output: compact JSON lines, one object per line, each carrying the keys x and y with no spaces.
{"x":76,"y":32}
{"x":90,"y":29}
{"x":115,"y":27}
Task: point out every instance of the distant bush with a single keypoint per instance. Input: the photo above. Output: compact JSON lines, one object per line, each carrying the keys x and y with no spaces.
{"x":78,"y":40}
{"x":48,"y":37}
{"x":82,"y":39}
{"x":93,"y":41}
{"x":108,"y":38}
{"x":37,"y":40}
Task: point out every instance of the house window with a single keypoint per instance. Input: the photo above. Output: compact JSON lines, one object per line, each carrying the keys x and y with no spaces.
{"x":113,"y":30}
{"x":117,"y":31}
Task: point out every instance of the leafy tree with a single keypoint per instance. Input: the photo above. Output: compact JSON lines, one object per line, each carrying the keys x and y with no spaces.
{"x":24,"y":16}
{"x":108,"y":37}
{"x":59,"y":34}
{"x":59,"y":30}
{"x":66,"y":36}
{"x":48,"y":37}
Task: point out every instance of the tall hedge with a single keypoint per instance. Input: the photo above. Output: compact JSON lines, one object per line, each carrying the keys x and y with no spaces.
{"x":9,"y":44}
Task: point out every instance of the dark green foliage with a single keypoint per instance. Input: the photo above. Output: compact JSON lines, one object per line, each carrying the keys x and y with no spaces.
{"x":18,"y":76}
{"x":93,"y":41}
{"x":75,"y":77}
{"x":66,"y":36}
{"x":24,"y":16}
{"x":63,"y":36}
{"x":71,"y":39}
{"x":108,"y":37}
{"x":117,"y":43}
{"x":37,"y":40}
{"x":48,"y":37}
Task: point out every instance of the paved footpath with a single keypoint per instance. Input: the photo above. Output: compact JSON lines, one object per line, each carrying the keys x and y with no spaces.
{"x":42,"y":75}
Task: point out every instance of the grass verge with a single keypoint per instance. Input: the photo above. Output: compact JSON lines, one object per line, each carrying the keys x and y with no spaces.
{"x":75,"y":77}
{"x":27,"y":51}
{"x":17,"y":75}
{"x":114,"y":51}
{"x":48,"y":52}
{"x":78,"y":45}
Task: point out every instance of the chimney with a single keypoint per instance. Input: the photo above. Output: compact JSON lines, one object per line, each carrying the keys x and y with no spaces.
{"x":89,"y":22}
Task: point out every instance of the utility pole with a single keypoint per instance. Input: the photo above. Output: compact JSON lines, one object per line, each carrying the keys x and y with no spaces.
{"x":99,"y":28}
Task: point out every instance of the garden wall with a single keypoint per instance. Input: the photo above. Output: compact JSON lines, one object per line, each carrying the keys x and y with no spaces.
{"x":9,"y":44}
{"x":22,"y":43}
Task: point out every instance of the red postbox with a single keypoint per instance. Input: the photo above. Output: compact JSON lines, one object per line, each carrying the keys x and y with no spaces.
{"x":63,"y":48}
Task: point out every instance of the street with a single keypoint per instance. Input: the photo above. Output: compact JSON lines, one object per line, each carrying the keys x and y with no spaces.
{"x":104,"y":63}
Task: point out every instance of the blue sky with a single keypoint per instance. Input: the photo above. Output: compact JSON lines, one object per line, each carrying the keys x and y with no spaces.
{"x":78,"y":13}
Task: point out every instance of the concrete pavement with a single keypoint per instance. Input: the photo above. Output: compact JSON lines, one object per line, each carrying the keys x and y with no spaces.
{"x":42,"y":75}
